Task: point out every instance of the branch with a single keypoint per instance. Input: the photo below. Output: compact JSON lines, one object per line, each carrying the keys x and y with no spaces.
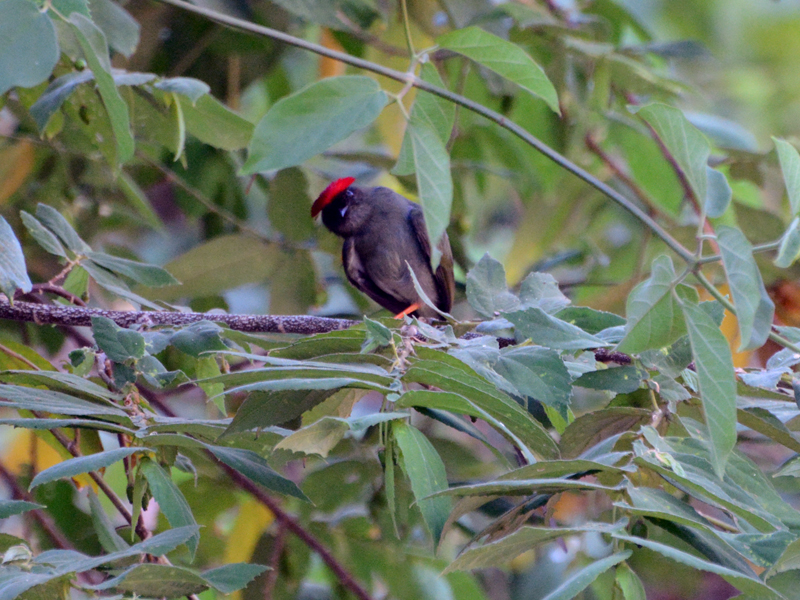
{"x":82,"y":317}
{"x":45,"y":521}
{"x":414,"y":81}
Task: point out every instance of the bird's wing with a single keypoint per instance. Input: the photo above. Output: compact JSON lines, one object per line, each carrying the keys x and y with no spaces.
{"x":444,"y":279}
{"x":356,"y":274}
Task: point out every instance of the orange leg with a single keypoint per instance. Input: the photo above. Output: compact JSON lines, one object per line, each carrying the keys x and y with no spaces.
{"x":407,"y":311}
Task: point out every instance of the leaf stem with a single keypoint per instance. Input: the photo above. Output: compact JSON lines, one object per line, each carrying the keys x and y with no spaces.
{"x":774,"y":336}
{"x":407,"y":27}
{"x":475,"y":107}
{"x":765,"y":247}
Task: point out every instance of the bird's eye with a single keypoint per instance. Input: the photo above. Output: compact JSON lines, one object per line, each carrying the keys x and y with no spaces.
{"x":348,"y":194}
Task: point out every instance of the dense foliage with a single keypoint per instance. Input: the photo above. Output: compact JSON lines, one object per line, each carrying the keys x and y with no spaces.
{"x":611,"y":406}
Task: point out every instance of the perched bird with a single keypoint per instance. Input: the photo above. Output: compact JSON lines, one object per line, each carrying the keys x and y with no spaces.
{"x":384,"y":234}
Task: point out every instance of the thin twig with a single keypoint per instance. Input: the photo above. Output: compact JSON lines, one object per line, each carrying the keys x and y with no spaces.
{"x":274,"y":561}
{"x":45,"y":520}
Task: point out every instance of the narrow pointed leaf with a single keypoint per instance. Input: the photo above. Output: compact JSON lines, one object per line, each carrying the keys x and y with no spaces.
{"x":170,"y":500}
{"x":43,"y":236}
{"x":754,"y":308}
{"x":95,"y":50}
{"x":789,"y":250}
{"x":535,"y":324}
{"x":504,"y":58}
{"x":82,"y":464}
{"x":434,"y":182}
{"x":254,"y":467}
{"x":580,"y":580}
{"x":687,"y":145}
{"x":13,"y":272}
{"x":715,"y":374}
{"x":719,"y":194}
{"x":439,"y":114}
{"x":790,"y":166}
{"x":426,"y":472}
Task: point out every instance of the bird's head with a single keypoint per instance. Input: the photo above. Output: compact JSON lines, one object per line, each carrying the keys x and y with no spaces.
{"x":344,"y":208}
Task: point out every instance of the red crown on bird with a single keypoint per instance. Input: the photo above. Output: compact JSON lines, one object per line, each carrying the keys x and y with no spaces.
{"x":329,"y":193}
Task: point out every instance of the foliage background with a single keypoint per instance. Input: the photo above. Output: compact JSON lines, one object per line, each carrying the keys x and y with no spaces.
{"x":250,"y":247}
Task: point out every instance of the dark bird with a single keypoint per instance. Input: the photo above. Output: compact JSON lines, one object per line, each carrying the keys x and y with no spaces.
{"x":384,"y":234}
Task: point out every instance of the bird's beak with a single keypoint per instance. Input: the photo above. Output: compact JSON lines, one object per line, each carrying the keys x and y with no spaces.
{"x":343,"y":210}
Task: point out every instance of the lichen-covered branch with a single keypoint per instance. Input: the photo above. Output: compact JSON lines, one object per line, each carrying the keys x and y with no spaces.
{"x":82,"y":317}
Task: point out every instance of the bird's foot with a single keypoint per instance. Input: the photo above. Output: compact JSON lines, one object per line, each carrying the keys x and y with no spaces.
{"x":408,"y":311}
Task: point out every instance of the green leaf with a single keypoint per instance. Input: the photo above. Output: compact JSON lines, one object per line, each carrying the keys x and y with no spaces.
{"x":434,"y":182}
{"x":13,"y":273}
{"x":192,"y":88}
{"x":103,"y":527}
{"x":10,"y":508}
{"x":108,"y":281}
{"x":149,"y":275}
{"x":541,"y":290}
{"x":590,"y":320}
{"x":504,"y":58}
{"x":120,"y":28}
{"x":55,"y":402}
{"x":223,"y":263}
{"x":310,"y":121}
{"x":687,"y":145}
{"x":194,"y":339}
{"x":629,"y":584}
{"x":472,"y":395}
{"x":322,"y":436}
{"x":535,"y":324}
{"x":119,"y":344}
{"x":43,"y":236}
{"x":287,"y":191}
{"x":751,"y":586}
{"x":754,"y":308}
{"x":55,"y":222}
{"x":214,"y":124}
{"x":622,"y":380}
{"x":28,"y":45}
{"x":538,"y":373}
{"x":156,"y":580}
{"x":591,"y":428}
{"x":654,"y":318}
{"x":583,"y":578}
{"x":229,"y":578}
{"x":790,"y":166}
{"x":252,"y":466}
{"x":719,"y":193}
{"x":789,"y":250}
{"x":95,"y":50}
{"x":714,"y":364}
{"x":504,"y":550}
{"x":439,"y":114}
{"x":170,"y":500}
{"x":487,"y":290}
{"x":262,"y":410}
{"x":82,"y":464}
{"x":378,"y":336}
{"x":425,"y":471}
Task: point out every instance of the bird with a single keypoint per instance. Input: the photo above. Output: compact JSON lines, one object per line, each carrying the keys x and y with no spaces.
{"x":384,"y":235}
